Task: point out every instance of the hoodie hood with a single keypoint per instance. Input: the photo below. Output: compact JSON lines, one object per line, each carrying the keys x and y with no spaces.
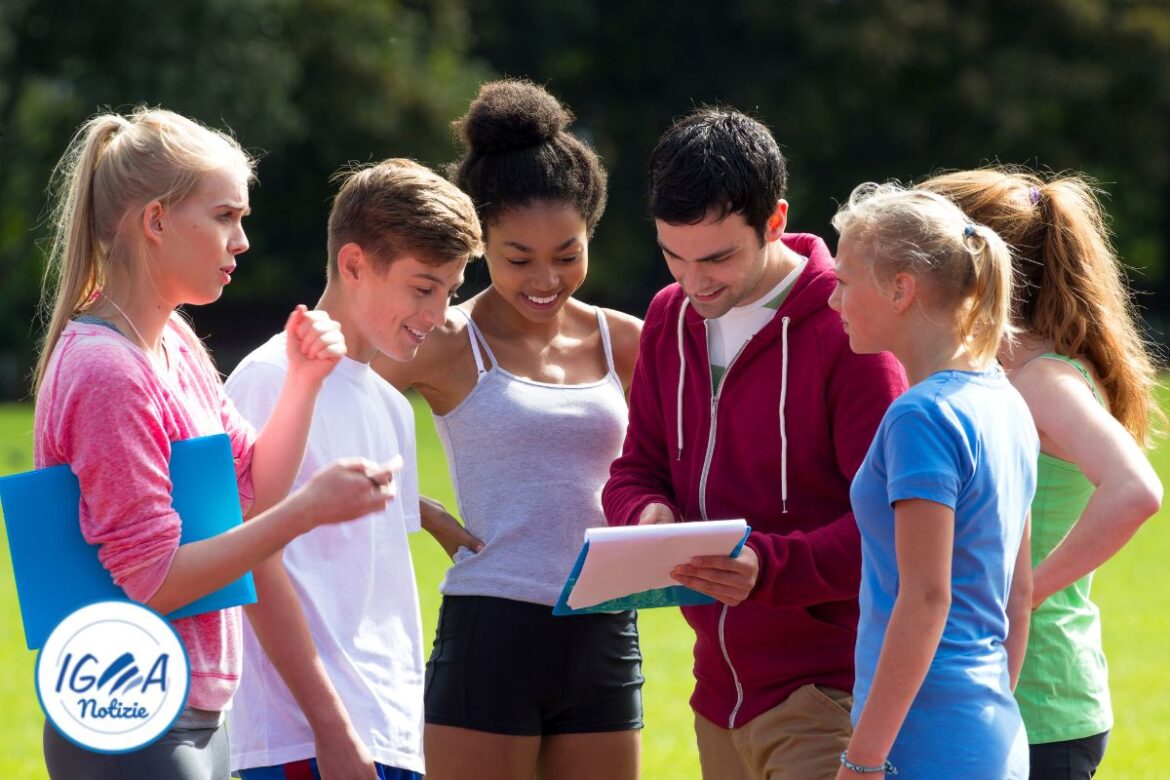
{"x":809,"y":292}
{"x":807,"y":297}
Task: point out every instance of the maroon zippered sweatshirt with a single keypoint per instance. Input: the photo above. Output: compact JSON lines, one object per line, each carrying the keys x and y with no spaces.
{"x":793,"y":419}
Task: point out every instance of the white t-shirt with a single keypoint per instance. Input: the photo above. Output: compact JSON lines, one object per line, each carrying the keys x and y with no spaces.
{"x":726,"y":335}
{"x":355,"y":580}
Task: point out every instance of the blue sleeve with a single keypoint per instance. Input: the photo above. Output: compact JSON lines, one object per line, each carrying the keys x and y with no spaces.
{"x":924,"y":457}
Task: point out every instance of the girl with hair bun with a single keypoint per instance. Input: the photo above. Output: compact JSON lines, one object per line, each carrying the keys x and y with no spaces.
{"x":942,"y":497}
{"x":528,"y":387}
{"x":148,"y":217}
{"x":1088,"y":377}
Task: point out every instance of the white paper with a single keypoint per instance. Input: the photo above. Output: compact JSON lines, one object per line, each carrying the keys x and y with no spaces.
{"x":631,"y":559}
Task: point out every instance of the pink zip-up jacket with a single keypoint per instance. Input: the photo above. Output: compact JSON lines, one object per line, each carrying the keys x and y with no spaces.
{"x":778,"y":445}
{"x":108,"y":413}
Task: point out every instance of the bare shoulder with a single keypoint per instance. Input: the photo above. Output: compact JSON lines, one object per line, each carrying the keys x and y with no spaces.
{"x":1061,"y":402}
{"x":625,"y":332}
{"x":1045,"y":381}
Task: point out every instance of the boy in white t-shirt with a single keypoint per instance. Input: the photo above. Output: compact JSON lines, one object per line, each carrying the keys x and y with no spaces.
{"x":333,"y":667}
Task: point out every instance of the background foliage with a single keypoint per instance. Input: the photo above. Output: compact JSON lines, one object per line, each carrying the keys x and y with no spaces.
{"x":854,"y":90}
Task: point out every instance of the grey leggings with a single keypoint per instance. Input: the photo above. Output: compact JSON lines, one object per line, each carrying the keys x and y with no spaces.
{"x":180,"y":754}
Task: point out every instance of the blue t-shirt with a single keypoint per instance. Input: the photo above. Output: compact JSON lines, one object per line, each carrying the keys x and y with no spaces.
{"x":965,"y":440}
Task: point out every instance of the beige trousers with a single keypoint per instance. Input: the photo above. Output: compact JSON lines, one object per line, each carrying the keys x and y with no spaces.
{"x":799,"y":739}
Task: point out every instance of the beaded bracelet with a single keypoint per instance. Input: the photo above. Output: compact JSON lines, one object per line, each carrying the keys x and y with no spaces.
{"x":885,"y":768}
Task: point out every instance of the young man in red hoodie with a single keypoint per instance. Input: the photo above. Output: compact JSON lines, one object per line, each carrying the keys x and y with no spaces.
{"x":747,"y":402}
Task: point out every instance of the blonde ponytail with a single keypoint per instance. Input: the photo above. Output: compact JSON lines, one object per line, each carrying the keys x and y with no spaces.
{"x":74,"y":268}
{"x":988,"y":315}
{"x":113,"y":166}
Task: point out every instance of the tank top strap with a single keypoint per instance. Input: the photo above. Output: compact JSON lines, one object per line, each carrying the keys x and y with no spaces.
{"x":1084,"y":372}
{"x":603,"y":326}
{"x":477,"y":342}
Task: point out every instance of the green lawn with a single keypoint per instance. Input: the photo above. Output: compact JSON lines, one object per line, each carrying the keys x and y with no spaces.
{"x":1136,"y":610}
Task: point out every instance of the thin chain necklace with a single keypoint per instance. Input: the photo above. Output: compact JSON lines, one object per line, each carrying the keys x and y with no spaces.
{"x":145,"y":344}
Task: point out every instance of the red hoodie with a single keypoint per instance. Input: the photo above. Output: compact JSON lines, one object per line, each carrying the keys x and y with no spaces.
{"x":794,"y":416}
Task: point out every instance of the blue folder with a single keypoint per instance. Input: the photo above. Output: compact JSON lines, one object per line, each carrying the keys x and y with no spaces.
{"x":57,"y":572}
{"x":672,"y":596}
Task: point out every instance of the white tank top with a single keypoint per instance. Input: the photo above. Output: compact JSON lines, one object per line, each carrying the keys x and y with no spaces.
{"x":529,"y":460}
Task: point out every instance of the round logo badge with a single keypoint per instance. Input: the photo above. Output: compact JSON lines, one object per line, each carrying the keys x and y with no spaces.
{"x":112,"y":677}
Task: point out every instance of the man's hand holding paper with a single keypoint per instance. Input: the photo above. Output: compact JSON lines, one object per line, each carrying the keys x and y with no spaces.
{"x":656,"y":514}
{"x":725,"y":579}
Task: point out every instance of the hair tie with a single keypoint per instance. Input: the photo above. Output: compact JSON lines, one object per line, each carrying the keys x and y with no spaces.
{"x":969,"y":230}
{"x":1034,"y":195}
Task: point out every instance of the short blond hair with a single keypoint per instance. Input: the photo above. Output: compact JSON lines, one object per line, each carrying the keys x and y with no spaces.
{"x":398,"y":207}
{"x":966,"y":267}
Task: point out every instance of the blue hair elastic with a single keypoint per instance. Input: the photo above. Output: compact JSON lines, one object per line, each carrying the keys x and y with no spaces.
{"x":968,"y":231}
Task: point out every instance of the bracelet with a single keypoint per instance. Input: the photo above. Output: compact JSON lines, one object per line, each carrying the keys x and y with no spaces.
{"x":885,"y":768}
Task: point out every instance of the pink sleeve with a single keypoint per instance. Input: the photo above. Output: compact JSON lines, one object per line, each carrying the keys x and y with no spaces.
{"x":107,"y":422}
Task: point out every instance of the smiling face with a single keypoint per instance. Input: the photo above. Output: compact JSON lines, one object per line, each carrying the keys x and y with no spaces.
{"x":397,"y":306}
{"x":864,"y":305}
{"x":538,"y":256}
{"x":719,"y":263}
{"x":196,"y":241}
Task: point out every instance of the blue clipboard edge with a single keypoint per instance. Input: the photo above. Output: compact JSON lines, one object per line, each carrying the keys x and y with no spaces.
{"x":191,"y":452}
{"x":674,"y":595}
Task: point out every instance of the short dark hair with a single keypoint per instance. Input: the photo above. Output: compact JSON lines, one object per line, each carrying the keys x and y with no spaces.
{"x":716,"y":159}
{"x":518,"y":152}
{"x":398,"y":207}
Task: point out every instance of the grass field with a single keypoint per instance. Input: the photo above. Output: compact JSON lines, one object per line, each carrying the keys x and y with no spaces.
{"x":1135,"y":606}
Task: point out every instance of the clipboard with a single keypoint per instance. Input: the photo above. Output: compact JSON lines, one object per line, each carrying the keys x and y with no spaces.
{"x":669,"y":596}
{"x":57,"y":571}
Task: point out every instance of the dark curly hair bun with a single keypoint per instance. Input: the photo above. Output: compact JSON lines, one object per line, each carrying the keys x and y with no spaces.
{"x":519,"y":152}
{"x":512,"y":114}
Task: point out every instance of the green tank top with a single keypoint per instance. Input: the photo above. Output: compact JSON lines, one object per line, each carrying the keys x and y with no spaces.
{"x":1063,"y":691}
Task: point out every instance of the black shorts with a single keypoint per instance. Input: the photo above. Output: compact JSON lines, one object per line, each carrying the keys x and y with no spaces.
{"x":511,"y":667}
{"x":1073,"y":759}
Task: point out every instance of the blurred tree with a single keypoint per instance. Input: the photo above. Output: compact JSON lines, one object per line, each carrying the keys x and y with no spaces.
{"x":858,"y":90}
{"x":311,"y":84}
{"x":854,"y":90}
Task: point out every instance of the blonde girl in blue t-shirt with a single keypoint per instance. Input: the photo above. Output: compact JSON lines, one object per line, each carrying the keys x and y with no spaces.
{"x":942,"y":497}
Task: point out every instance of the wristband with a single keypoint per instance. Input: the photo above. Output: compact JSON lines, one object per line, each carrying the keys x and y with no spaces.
{"x":885,"y":768}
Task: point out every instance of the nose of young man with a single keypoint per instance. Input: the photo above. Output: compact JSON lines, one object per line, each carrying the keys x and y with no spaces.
{"x":435,"y":313}
{"x":702,"y":290}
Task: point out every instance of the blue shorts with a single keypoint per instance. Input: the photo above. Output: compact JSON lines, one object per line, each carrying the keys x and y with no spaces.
{"x":306,"y":769}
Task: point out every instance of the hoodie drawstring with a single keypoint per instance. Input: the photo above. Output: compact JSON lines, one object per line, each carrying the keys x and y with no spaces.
{"x":783,"y":427}
{"x":682,"y":372}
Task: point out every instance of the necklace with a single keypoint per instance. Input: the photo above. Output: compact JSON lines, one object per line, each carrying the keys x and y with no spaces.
{"x":145,"y":344}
